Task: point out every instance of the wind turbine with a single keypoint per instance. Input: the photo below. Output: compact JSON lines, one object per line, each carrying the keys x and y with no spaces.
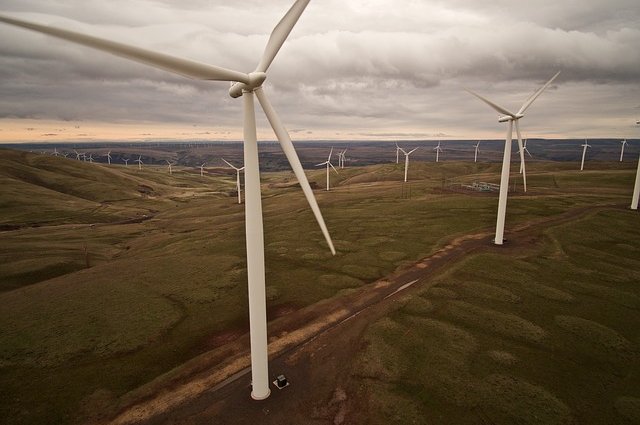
{"x":78,"y":154}
{"x":475,"y":156}
{"x":170,"y":165}
{"x":328,"y":164}
{"x":245,"y":86}
{"x":624,"y":142}
{"x":126,"y":162}
{"x":91,"y":158}
{"x":202,"y":170}
{"x":511,"y":118}
{"x":636,"y":187}
{"x":342,"y":158}
{"x":584,"y":152}
{"x":398,"y":149}
{"x":524,"y":147}
{"x":55,"y":152}
{"x":406,"y":161}
{"x":139,"y":161}
{"x":237,"y":177}
{"x":438,"y":149}
{"x":109,"y":157}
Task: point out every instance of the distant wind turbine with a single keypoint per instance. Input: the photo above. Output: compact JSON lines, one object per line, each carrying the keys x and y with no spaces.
{"x":342,"y":158}
{"x":636,"y":187}
{"x":245,"y":85}
{"x":438,"y":149}
{"x":139,"y":161}
{"x":202,"y":170}
{"x":91,"y":158}
{"x":397,"y":154}
{"x":170,"y":165}
{"x":475,"y":156}
{"x":406,"y":161}
{"x":524,"y":147}
{"x":584,"y":152}
{"x":511,"y":118}
{"x":126,"y":162}
{"x":328,"y":164}
{"x":109,"y":157}
{"x":55,"y":152}
{"x":237,"y":177}
{"x":78,"y":154}
{"x":624,"y":142}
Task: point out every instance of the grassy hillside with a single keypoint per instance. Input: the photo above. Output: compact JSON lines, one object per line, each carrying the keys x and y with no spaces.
{"x":113,"y":275}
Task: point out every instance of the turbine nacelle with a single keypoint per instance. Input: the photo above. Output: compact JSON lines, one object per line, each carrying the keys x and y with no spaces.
{"x":255,"y":80}
{"x":507,"y":118}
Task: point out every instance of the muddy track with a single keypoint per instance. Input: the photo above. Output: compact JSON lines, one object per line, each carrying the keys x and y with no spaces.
{"x":219,"y":379}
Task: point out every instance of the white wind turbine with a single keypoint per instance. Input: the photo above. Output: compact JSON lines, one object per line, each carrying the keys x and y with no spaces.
{"x":328,"y":164}
{"x":109,"y":157}
{"x":55,"y":152}
{"x":170,"y":164}
{"x":475,"y":156}
{"x":624,"y":142}
{"x":342,"y":158}
{"x":636,"y":188}
{"x":397,"y":154}
{"x":524,"y":147}
{"x":511,"y":118}
{"x":202,"y":169}
{"x":237,"y":177}
{"x":584,"y":152}
{"x":126,"y":162}
{"x":139,"y":161}
{"x":438,"y":149}
{"x":406,"y":161}
{"x":78,"y":154}
{"x":91,"y":158}
{"x":245,"y":86}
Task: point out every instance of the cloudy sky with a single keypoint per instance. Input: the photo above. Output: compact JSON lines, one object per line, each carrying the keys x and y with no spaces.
{"x":351,"y":69}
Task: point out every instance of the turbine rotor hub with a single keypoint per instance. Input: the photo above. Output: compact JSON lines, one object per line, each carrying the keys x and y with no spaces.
{"x":255,"y":80}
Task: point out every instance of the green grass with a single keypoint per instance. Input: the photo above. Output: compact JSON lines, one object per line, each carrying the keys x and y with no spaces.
{"x":95,"y":305}
{"x":549,"y":337}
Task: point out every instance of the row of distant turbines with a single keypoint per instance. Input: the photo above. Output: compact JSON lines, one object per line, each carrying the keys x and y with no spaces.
{"x":249,"y":86}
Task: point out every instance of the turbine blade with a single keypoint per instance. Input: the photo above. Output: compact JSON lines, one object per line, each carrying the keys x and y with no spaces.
{"x":173,"y":64}
{"x":403,"y":151}
{"x":412,"y":151}
{"x":290,"y":152}
{"x":228,"y":163}
{"x":533,"y":97}
{"x":493,"y":105}
{"x":323,"y":163}
{"x":334,"y":168}
{"x":280,"y":34}
{"x":330,"y":153}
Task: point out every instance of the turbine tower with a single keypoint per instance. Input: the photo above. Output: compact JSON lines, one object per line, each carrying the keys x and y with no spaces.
{"x":109,"y":157}
{"x":328,"y":164}
{"x":202,"y":170}
{"x":342,"y":158}
{"x":475,"y":156}
{"x":584,"y":152}
{"x":237,"y":177}
{"x":170,"y":164}
{"x":139,"y":161}
{"x":397,"y":153}
{"x":624,"y":142}
{"x":636,"y":188}
{"x":511,"y":118}
{"x":245,"y":85}
{"x":126,"y":162}
{"x":438,"y":149}
{"x":406,"y":161}
{"x":55,"y":152}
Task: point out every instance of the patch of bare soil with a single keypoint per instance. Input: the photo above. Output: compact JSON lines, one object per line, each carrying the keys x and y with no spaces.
{"x":311,"y":346}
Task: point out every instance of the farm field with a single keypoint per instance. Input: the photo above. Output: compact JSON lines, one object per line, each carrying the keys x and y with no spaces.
{"x":112,"y":278}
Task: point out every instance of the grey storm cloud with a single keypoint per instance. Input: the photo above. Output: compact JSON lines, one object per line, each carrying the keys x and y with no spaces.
{"x":354,"y":66}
